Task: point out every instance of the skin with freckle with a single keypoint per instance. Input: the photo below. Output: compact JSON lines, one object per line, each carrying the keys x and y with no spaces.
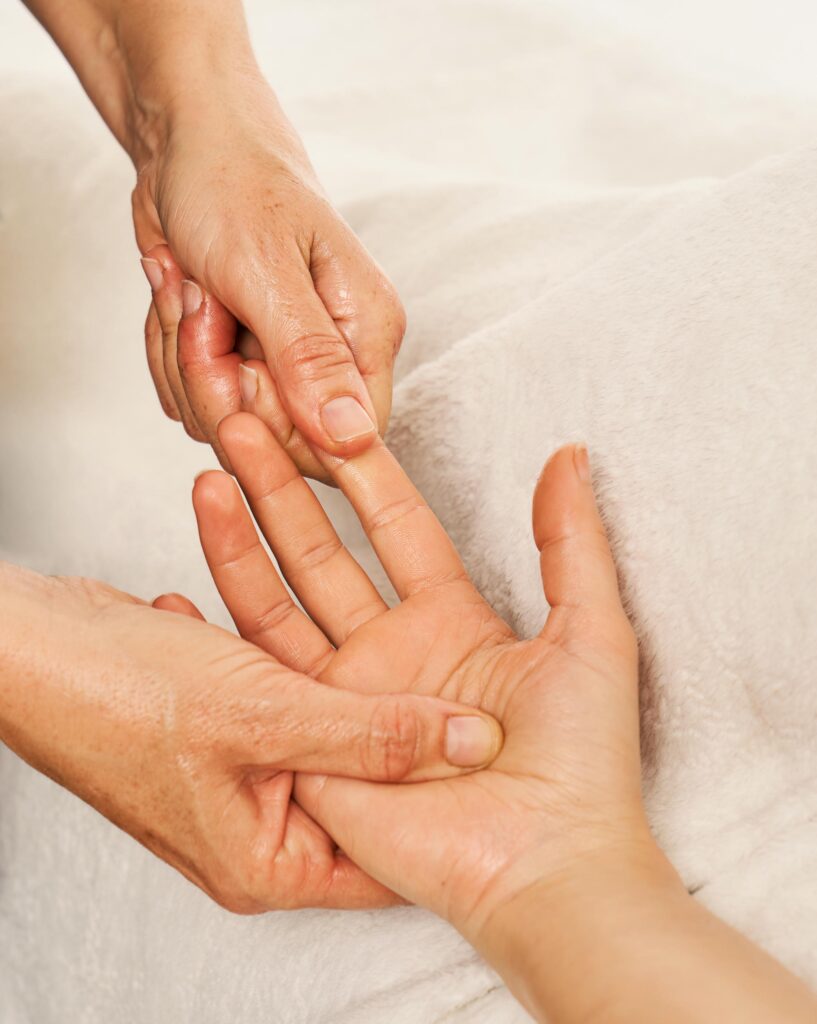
{"x":187,"y":736}
{"x":226,"y":196}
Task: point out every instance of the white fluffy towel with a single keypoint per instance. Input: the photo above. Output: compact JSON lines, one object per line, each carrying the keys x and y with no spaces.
{"x":590,"y":246}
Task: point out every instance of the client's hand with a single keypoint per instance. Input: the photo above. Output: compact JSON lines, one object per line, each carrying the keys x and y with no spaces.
{"x":566,"y":785}
{"x":186,"y":736}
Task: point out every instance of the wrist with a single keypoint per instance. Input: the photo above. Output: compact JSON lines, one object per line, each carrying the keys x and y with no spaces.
{"x":140,"y":61}
{"x":176,"y":70}
{"x":551,"y":938}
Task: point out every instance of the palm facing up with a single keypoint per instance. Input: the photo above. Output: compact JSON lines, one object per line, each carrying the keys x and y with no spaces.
{"x":566,"y":782}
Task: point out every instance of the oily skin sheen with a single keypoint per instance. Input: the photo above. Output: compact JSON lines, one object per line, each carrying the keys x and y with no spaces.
{"x":226,"y":197}
{"x":186,"y":736}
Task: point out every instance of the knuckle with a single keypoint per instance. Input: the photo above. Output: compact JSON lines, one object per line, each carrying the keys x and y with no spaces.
{"x":169,"y":410}
{"x":392,"y":512}
{"x":316,"y":553}
{"x":192,"y":362}
{"x":152,"y":327}
{"x":316,"y":358}
{"x":396,"y":322}
{"x":170,"y":331}
{"x":394,"y":740}
{"x":187,"y":356}
{"x":271,"y":618}
{"x":193,"y":431}
{"x":236,"y":900}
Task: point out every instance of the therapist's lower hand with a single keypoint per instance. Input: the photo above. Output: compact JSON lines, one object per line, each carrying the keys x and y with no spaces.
{"x":186,"y":737}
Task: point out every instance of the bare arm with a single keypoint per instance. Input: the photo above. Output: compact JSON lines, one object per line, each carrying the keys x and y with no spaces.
{"x":624,"y":943}
{"x":227,"y":198}
{"x":186,"y":737}
{"x":137,"y":59}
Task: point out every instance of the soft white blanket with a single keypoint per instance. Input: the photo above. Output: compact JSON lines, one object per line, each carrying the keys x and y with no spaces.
{"x":590,"y":244}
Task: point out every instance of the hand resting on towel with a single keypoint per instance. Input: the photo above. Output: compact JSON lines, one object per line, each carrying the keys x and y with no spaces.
{"x":544,"y":859}
{"x":224,"y":181}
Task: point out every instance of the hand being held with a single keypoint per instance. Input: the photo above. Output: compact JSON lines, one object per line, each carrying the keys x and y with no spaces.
{"x":229,"y":199}
{"x":566,"y":785}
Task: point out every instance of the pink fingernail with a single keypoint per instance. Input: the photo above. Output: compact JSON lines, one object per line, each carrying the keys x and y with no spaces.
{"x":345,"y":419}
{"x":581,"y":460}
{"x":153,"y":272}
{"x":469,"y":741}
{"x":247,"y":384}
{"x":191,"y":298}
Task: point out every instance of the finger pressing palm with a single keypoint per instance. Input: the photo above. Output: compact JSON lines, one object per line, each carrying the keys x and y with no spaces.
{"x":567,"y":699}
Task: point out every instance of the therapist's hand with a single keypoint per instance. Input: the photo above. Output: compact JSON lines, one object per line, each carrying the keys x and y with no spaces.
{"x":223,"y":180}
{"x":186,"y":736}
{"x":229,"y":199}
{"x":565,"y":791}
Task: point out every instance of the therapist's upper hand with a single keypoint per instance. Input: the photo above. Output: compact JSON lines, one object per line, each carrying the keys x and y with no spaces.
{"x":186,"y":736}
{"x":228,"y":199}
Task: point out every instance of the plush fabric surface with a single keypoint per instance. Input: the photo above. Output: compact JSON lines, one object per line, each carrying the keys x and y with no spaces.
{"x":596,"y":238}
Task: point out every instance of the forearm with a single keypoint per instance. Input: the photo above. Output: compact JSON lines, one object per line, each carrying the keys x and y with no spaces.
{"x":625,"y":944}
{"x":40,"y":648}
{"x":142,"y":62}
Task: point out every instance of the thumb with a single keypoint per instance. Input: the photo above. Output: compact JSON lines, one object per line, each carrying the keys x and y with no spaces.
{"x":314,"y":369}
{"x":575,"y":558}
{"x":311,"y":727}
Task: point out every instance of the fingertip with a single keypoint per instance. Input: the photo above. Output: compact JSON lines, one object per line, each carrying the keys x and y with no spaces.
{"x":581,"y":462}
{"x":194,"y":432}
{"x":236,"y":427}
{"x":567,"y":469}
{"x":178,"y":604}
{"x":161,"y":254}
{"x":153,"y":272}
{"x":192,"y":298}
{"x":247,"y":385}
{"x":243,"y":436}
{"x":349,"y":427}
{"x":170,"y":410}
{"x":214,"y":490}
{"x":472,"y":741}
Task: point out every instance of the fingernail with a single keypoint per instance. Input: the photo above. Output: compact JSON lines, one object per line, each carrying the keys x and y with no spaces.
{"x":191,"y":298}
{"x":247,"y":384}
{"x":581,"y":461}
{"x":469,"y":741}
{"x":345,"y":419}
{"x":153,"y":272}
